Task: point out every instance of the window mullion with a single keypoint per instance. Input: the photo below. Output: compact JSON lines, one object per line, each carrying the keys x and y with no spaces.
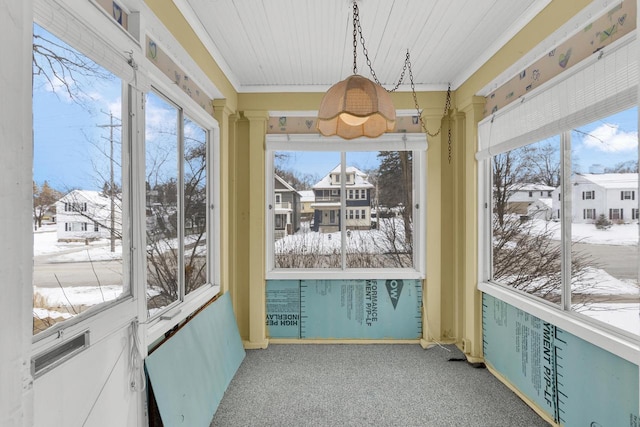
{"x":565,"y":224}
{"x":343,"y":208}
{"x":181,"y":207}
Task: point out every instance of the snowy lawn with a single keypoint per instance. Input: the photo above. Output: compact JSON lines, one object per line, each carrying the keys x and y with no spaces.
{"x":598,"y":282}
{"x":622,"y":234}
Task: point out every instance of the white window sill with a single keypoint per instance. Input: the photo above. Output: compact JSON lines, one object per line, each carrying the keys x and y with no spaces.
{"x":351,"y":274}
{"x":159,"y":325}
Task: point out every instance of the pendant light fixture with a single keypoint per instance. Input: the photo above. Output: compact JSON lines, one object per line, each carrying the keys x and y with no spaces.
{"x":356,"y":106}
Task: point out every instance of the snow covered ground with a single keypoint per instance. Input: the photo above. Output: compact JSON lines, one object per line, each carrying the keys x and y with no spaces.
{"x":622,"y":234}
{"x":623,"y":315}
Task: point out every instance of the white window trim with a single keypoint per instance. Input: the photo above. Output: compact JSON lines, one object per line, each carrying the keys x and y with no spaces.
{"x":387,"y":142}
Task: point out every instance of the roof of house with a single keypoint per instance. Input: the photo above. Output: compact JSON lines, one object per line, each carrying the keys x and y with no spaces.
{"x":610,"y":180}
{"x":284,"y":183}
{"x":89,"y":196}
{"x":532,"y":187}
{"x":360,"y":178}
{"x":307,"y":195}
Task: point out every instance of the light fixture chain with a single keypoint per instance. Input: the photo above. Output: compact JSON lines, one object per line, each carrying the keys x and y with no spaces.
{"x":447,"y":106}
{"x":356,"y":19}
{"x":358,"y":28}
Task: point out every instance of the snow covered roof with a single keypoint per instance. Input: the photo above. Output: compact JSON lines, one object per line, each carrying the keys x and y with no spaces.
{"x":307,"y":195}
{"x":531,"y":187}
{"x":360,"y":178}
{"x":610,"y":180}
{"x":94,"y":197}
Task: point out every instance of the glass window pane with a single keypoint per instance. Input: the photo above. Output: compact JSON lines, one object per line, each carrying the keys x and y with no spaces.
{"x":380,"y":215}
{"x":161,"y":169}
{"x":77,"y":183}
{"x":307,"y":216}
{"x":604,"y":226}
{"x":526,"y":221}
{"x":195,"y":206}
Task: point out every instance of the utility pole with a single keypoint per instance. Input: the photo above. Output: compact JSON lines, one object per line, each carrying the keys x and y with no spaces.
{"x":112,"y":225}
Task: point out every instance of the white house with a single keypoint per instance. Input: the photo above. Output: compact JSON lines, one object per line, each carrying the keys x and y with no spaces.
{"x":85,"y":214}
{"x":326,"y":207}
{"x":521,"y":196}
{"x":611,"y":194}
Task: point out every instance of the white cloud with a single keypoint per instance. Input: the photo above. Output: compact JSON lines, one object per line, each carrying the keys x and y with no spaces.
{"x":610,"y":139}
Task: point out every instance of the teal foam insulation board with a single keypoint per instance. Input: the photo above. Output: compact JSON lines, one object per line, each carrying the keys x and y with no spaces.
{"x":344,"y":309}
{"x":191,"y":371}
{"x":575,"y":382}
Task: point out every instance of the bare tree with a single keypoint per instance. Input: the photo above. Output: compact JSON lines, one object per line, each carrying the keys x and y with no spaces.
{"x":64,"y":68}
{"x":506,"y":172}
{"x":541,"y":163}
{"x":44,"y":201}
{"x":629,"y":166}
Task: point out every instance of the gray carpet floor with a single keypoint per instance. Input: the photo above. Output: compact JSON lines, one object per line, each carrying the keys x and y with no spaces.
{"x":367,"y":385}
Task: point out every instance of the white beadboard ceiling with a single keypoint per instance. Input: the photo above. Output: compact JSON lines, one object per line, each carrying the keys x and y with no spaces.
{"x":306,"y":45}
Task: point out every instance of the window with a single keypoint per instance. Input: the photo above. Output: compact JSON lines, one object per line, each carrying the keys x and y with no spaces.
{"x":75,"y":226}
{"x":78,"y":150}
{"x":388,"y":173}
{"x":616,"y":214}
{"x":524,"y":257}
{"x":530,"y":193}
{"x":75,"y":207}
{"x":568,"y":270}
{"x":177,"y":198}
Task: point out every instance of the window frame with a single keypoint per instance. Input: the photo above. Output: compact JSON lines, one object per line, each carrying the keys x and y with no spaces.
{"x":611,"y":338}
{"x":99,"y":320}
{"x":120,"y":52}
{"x":541,"y":115}
{"x":387,"y":142}
{"x":172,"y":314}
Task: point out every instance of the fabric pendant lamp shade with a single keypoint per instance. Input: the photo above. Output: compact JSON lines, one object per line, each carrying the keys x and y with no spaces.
{"x":356,"y":107}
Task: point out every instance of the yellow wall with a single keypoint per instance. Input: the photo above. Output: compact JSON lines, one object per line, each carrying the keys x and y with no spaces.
{"x":452,"y":303}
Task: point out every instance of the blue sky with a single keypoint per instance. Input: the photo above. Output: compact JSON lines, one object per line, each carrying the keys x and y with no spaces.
{"x":607,"y":142}
{"x":70,"y":149}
